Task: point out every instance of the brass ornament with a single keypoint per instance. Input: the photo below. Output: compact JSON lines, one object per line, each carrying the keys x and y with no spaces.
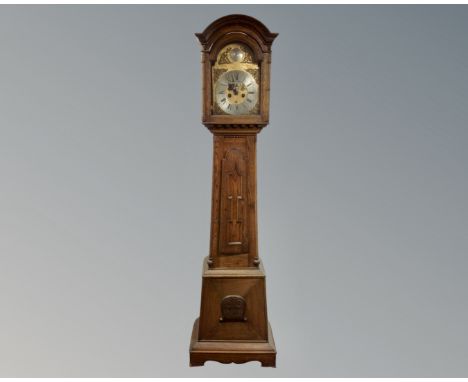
{"x":255,"y":74}
{"x":217,"y":73}
{"x":223,"y":57}
{"x":226,"y":56}
{"x":218,"y":110}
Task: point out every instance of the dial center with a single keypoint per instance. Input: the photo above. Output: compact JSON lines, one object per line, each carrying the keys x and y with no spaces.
{"x":236,"y":92}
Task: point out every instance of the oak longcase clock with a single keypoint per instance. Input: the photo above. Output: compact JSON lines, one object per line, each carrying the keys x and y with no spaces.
{"x":233,"y":324}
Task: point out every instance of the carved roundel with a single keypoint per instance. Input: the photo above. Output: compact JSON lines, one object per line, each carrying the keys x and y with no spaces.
{"x":233,"y":309}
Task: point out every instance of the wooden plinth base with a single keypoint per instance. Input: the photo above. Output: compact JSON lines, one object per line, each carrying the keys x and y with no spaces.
{"x":231,"y":351}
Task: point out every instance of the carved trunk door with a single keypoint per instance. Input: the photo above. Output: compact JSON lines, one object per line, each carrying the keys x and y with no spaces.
{"x":233,"y":211}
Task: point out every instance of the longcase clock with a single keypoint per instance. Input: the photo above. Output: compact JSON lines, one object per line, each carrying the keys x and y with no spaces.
{"x":233,"y":324}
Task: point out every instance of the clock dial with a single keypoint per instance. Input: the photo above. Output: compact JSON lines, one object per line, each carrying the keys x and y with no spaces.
{"x":236,"y":92}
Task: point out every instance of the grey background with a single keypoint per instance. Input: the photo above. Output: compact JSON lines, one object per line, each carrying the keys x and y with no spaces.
{"x":105,"y":190}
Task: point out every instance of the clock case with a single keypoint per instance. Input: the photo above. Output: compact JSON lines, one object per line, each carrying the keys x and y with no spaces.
{"x":233,"y":324}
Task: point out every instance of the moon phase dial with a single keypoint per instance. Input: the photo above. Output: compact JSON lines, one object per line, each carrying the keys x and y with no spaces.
{"x":236,"y":92}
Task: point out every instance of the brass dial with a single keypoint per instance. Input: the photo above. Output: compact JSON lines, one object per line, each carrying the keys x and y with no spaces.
{"x":236,"y":92}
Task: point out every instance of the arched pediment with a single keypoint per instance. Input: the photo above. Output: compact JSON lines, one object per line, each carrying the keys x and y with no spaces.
{"x":239,"y":25}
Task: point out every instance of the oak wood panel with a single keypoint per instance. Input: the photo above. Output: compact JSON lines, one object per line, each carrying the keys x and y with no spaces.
{"x":231,"y":351}
{"x":233,"y":207}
